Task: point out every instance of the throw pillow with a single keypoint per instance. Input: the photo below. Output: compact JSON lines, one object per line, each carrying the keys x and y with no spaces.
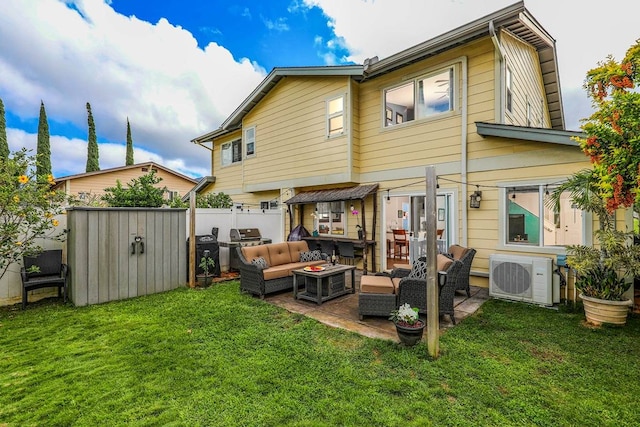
{"x":306,"y":256}
{"x":419,"y":269}
{"x":260,"y":262}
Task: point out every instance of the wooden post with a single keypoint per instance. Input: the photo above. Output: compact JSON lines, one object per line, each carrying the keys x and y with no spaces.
{"x":192,"y":239}
{"x":433,"y":315}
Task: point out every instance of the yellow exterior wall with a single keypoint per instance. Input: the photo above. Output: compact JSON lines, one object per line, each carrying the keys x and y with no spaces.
{"x":291,"y":134}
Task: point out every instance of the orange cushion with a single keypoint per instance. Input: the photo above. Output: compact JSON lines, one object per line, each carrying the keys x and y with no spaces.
{"x":376,"y":285}
{"x":252,"y":252}
{"x":443,"y":262}
{"x":279,"y":253}
{"x":295,"y":248}
{"x":457,"y":251}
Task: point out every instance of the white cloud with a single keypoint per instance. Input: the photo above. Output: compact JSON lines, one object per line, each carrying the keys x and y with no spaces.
{"x":155,"y":74}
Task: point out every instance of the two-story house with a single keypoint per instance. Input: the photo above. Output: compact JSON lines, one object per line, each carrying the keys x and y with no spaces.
{"x":481,"y":103}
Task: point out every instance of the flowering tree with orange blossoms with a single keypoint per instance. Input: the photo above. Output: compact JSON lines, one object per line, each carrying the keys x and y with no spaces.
{"x":28,"y":209}
{"x":613,"y":130}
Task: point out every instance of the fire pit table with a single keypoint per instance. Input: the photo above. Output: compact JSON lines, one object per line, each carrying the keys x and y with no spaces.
{"x":323,"y":284}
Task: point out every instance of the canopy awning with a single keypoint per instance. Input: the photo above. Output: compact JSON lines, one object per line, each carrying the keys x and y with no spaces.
{"x":359,"y":192}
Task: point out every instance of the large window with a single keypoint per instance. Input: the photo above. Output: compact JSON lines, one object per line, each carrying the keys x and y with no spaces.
{"x":250,"y":141}
{"x":335,"y":116}
{"x":423,"y":97}
{"x":531,"y":223}
{"x":331,"y":218}
{"x":231,"y":152}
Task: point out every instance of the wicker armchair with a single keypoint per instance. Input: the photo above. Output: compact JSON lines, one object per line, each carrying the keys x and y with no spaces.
{"x":464,"y":255}
{"x":414,"y":290}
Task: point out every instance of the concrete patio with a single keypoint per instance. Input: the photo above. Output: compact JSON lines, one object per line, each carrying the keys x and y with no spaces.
{"x":342,"y":312}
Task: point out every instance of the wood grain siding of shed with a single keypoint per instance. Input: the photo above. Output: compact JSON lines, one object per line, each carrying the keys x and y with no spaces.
{"x":524,"y":62}
{"x":100,"y":259}
{"x":291,"y":131}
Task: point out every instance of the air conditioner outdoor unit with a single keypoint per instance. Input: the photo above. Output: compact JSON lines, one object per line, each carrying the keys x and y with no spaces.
{"x":521,"y":278}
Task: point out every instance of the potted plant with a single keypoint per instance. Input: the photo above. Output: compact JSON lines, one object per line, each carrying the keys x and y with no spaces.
{"x":408,"y":324}
{"x":604,"y":274}
{"x":206,"y":264}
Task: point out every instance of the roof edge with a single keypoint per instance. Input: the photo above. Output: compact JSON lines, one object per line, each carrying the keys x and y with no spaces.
{"x":553,"y":136}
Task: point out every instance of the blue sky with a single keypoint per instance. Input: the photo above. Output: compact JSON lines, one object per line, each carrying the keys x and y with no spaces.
{"x":178,"y":68}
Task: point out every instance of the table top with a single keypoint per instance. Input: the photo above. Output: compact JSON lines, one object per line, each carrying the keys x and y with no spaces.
{"x":329,"y":270}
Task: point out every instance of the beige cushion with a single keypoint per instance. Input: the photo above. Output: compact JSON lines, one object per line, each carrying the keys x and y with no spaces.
{"x":457,"y":251}
{"x":377,"y":285}
{"x":443,"y":262}
{"x":279,"y":253}
{"x":276,"y":272}
{"x":295,"y":248}
{"x":252,"y":252}
{"x":402,"y":266}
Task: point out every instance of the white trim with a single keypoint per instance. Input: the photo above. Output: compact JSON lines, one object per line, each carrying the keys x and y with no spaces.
{"x":342,"y":113}
{"x":245,"y":141}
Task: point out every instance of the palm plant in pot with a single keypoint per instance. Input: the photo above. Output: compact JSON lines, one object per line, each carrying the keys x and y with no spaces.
{"x":408,"y":324}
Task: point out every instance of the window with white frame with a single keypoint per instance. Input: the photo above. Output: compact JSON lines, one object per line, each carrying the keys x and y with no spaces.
{"x":422,"y":97}
{"x":250,"y":141}
{"x":231,"y":152}
{"x":330,"y":218}
{"x":271,"y":204}
{"x":530,"y":222}
{"x":335,"y":116}
{"x":509,"y":90}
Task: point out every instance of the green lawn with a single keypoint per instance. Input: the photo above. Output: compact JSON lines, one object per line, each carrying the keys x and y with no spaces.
{"x":217,"y":357}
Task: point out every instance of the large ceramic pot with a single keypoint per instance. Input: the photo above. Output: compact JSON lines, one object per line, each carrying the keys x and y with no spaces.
{"x":410,"y":335}
{"x":599,"y":311}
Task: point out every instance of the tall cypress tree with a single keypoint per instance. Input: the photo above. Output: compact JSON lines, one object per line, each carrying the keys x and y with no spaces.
{"x":92,"y":149}
{"x":43,"y":149}
{"x":129,"y":160}
{"x":4,"y":145}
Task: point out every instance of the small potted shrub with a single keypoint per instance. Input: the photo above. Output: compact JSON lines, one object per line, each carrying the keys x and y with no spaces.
{"x":206,"y":264}
{"x":409,"y":326}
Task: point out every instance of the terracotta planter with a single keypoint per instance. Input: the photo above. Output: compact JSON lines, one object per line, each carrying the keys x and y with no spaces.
{"x":599,"y":311}
{"x":410,"y":335}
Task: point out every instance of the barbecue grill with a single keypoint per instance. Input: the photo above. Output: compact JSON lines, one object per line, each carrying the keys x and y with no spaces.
{"x":242,"y":237}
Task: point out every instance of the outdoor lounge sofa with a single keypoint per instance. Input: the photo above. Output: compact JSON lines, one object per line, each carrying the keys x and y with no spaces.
{"x":265,"y":269}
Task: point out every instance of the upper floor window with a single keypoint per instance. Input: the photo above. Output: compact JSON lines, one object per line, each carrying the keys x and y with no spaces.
{"x":530,"y":222}
{"x":231,"y":152}
{"x":330,"y":218}
{"x":335,"y":116}
{"x":423,"y":97}
{"x":509,"y":90}
{"x":250,"y":141}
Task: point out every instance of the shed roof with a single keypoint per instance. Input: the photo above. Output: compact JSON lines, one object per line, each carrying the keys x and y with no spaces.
{"x":333,"y":195}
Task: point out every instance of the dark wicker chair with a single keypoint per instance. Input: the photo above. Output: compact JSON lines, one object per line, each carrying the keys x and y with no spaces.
{"x":464,"y":255}
{"x":51,"y":272}
{"x":375,"y":304}
{"x":414,"y":291}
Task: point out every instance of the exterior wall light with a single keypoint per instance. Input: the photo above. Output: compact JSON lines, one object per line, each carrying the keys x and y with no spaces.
{"x":474,"y":199}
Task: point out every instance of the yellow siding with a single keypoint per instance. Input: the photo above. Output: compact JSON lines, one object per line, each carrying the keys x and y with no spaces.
{"x":228,"y":178}
{"x":291,"y":132}
{"x":524,"y":63}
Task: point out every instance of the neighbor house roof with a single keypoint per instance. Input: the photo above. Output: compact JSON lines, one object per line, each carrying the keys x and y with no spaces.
{"x":122,"y":168}
{"x":515,"y":19}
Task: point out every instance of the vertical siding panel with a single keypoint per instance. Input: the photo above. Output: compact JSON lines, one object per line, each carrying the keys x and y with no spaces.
{"x":158,"y":255}
{"x":113,"y":252}
{"x":150,"y":250}
{"x":133,"y":258}
{"x":141,"y":258}
{"x":123,"y":254}
{"x":93,"y":257}
{"x":182,"y":248}
{"x":79,"y":261}
{"x":103,"y":255}
{"x":167,"y":254}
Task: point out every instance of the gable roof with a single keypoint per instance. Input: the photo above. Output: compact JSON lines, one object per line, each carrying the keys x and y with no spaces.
{"x":515,"y":19}
{"x":122,"y":168}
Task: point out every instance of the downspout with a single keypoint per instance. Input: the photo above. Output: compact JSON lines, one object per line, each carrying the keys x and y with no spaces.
{"x":463,"y":156}
{"x":501,"y":89}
